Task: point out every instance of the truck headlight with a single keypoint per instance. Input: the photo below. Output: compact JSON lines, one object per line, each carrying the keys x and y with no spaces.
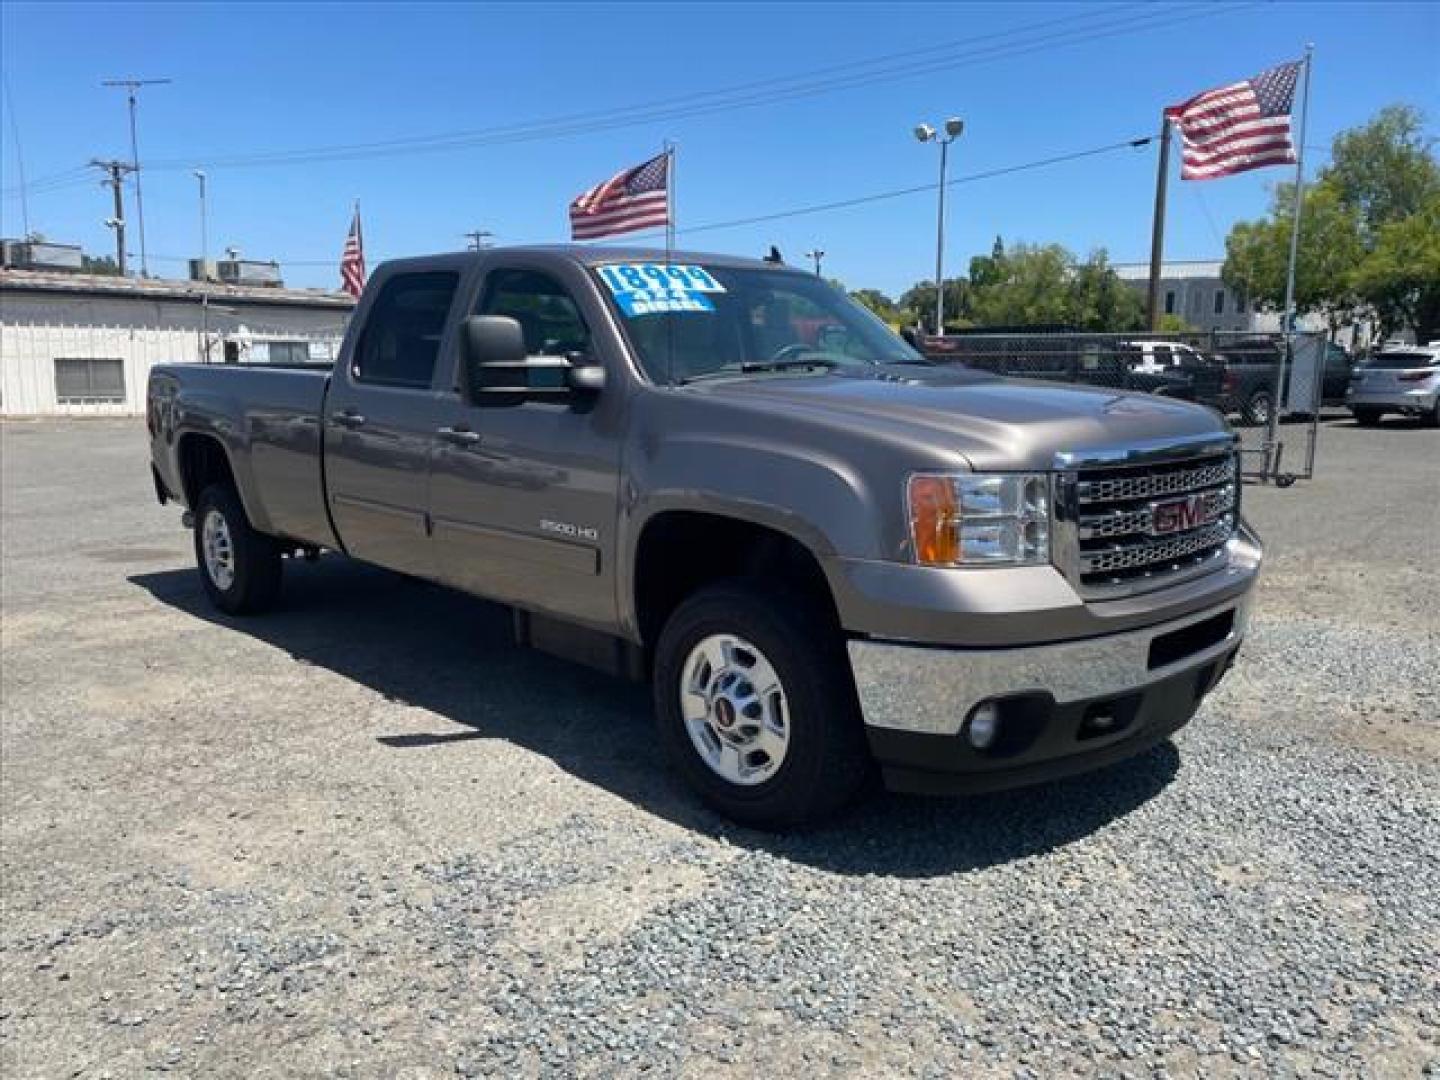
{"x":971,"y":519}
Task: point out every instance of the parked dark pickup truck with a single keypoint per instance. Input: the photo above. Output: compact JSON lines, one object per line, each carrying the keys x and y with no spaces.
{"x":828,"y":555}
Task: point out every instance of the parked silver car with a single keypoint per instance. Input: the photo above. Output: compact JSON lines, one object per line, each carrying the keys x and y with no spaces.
{"x":1399,"y":379}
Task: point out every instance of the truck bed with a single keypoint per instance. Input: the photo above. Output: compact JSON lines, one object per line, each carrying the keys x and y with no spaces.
{"x":268,"y":415}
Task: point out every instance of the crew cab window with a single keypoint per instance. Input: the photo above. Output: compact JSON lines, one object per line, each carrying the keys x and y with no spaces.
{"x":547,"y":314}
{"x":401,"y":340}
{"x":544,"y":309}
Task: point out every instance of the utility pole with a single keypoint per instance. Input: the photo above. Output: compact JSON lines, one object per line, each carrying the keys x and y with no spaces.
{"x":815,"y":256}
{"x":479,"y":239}
{"x":132,"y":85}
{"x":115,"y":179}
{"x":1157,"y":229}
{"x":204,"y":272}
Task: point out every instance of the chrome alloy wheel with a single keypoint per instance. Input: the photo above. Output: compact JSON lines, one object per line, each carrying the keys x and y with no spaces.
{"x":735,"y":709}
{"x":219,"y":550}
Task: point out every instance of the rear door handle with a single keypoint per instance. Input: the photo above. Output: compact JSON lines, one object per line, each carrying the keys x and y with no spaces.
{"x":347,"y":419}
{"x":459,"y":436}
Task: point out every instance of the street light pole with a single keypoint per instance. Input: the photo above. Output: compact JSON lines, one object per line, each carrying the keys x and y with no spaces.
{"x":925,"y":133}
{"x":816,"y":255}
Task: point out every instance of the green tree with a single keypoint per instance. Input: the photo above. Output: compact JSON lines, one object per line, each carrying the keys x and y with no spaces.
{"x":1100,"y":301}
{"x":918,"y":304}
{"x":99,"y":264}
{"x":1257,"y":254}
{"x":1385,"y":170}
{"x":877,"y":302}
{"x":1033,"y":288}
{"x":1400,"y":278}
{"x":1381,"y":176}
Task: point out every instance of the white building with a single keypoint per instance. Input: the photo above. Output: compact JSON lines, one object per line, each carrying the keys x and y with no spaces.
{"x":1193,"y":291}
{"x":84,"y":344}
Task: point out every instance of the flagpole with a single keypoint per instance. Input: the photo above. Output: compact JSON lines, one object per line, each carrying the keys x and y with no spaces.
{"x":1287,"y":358}
{"x":1157,"y":229}
{"x":669,"y":148}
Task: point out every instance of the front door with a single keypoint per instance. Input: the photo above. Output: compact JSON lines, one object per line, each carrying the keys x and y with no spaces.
{"x":524,"y":492}
{"x":380,"y":421}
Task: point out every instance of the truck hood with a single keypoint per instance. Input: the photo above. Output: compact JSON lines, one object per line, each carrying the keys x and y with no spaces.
{"x":995,"y":423}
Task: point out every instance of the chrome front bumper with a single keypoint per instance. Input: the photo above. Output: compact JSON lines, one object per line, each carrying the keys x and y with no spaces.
{"x":930,"y":690}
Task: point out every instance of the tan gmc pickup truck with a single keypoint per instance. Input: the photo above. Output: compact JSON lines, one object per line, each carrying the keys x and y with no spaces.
{"x":832,"y":559}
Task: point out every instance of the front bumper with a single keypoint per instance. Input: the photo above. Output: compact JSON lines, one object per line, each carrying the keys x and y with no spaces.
{"x":1064,"y":707}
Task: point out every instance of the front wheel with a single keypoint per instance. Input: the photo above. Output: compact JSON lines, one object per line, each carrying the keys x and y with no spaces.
{"x":756,"y":706}
{"x":239,"y":566}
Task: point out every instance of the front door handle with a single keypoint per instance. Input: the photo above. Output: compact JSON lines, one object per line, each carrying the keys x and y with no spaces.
{"x":459,"y":436}
{"x":348,"y":419}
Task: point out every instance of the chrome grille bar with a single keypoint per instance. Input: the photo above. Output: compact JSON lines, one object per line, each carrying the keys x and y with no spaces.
{"x":1146,"y":485}
{"x":1133,"y":556}
{"x":1128,"y":522}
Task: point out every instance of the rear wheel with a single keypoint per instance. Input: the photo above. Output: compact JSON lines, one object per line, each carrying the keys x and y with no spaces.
{"x":1367,"y":417}
{"x":1258,"y":407}
{"x":239,"y":567}
{"x":756,"y":706}
{"x":1432,"y":418}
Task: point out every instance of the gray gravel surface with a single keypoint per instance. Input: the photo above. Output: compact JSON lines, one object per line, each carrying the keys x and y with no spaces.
{"x":365,"y":836}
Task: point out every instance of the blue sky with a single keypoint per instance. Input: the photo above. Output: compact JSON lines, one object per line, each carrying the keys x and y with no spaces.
{"x":251,"y":79}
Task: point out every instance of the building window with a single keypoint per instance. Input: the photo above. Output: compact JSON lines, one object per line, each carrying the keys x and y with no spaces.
{"x":89,"y":380}
{"x":1239,"y":305}
{"x":1169,"y":301}
{"x":1219,"y":301}
{"x":289,"y":352}
{"x":1195,"y":302}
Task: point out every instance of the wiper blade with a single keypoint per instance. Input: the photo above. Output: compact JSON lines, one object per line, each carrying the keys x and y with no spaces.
{"x":754,"y":367}
{"x":786,"y":365}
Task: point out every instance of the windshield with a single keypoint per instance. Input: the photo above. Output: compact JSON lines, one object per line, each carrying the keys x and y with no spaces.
{"x":1401,"y":360}
{"x":689,"y":322}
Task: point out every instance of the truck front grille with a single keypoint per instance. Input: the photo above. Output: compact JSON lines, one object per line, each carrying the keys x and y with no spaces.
{"x":1128,"y":528}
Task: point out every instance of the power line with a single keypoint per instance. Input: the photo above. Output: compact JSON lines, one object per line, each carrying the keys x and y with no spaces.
{"x":754,"y":94}
{"x":578,"y":124}
{"x":898,"y":193}
{"x":840,"y":204}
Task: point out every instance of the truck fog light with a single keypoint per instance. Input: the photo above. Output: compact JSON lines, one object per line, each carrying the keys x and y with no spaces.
{"x":984,"y":725}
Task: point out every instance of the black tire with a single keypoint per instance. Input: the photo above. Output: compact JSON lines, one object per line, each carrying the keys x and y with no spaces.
{"x":827,"y":762}
{"x":1258,"y":407}
{"x":1432,"y":418}
{"x":256,"y":559}
{"x":1367,"y":417}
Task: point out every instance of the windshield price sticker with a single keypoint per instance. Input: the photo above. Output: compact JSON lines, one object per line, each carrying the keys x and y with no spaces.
{"x":657,"y":288}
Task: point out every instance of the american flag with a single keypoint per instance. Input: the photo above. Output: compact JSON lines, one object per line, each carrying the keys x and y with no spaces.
{"x":1239,"y":127}
{"x":637,"y":198}
{"x":352,"y":260}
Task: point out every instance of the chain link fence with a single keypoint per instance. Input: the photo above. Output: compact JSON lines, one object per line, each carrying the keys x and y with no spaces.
{"x":1247,"y":377}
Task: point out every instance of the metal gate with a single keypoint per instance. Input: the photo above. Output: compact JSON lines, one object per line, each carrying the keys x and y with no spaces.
{"x":1272,"y":397}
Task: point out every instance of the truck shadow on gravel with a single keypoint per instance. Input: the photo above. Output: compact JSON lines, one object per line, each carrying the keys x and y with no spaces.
{"x":429,"y":647}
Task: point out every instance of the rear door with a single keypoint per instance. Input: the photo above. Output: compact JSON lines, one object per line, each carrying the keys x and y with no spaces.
{"x":525,"y":493}
{"x":380,"y":422}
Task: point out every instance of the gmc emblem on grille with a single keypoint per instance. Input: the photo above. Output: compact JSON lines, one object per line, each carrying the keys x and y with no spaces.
{"x":1177,"y":515}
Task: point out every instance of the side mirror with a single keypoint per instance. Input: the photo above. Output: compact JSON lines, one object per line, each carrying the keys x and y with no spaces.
{"x":494,"y":354}
{"x":499,"y":371}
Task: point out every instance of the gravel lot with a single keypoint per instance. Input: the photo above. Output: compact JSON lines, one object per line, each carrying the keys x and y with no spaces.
{"x":366,"y":836}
